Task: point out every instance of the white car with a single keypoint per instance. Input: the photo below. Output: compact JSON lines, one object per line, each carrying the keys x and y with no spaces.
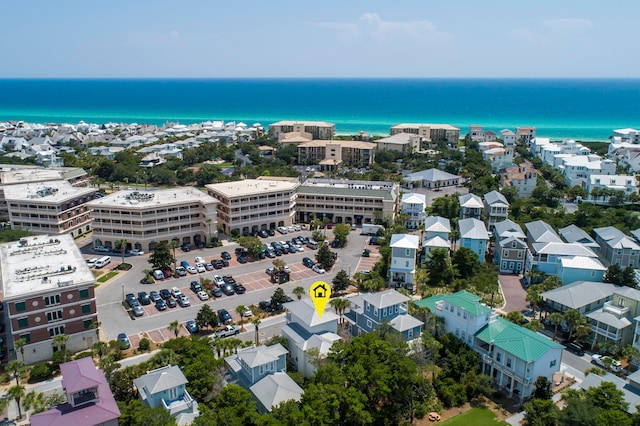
{"x":202,"y":295}
{"x":200,"y":267}
{"x":602,"y":361}
{"x":318,"y":269}
{"x":184,"y":301}
{"x":247,"y":313}
{"x":303,"y":227}
{"x":283,"y":244}
{"x":217,"y":280}
{"x":192,"y":270}
{"x":136,"y":252}
{"x":200,"y":259}
{"x":175,"y":292}
{"x":297,"y":227}
{"x":287,"y":269}
{"x":299,"y":247}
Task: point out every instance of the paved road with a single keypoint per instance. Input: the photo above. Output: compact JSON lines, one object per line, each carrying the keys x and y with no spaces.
{"x":252,"y":275}
{"x":514,"y":293}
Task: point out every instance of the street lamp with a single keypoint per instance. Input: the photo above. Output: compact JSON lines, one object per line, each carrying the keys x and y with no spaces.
{"x":122,"y":291}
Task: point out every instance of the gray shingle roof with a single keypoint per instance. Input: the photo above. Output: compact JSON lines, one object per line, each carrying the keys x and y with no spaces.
{"x":275,"y":389}
{"x":631,"y":394}
{"x":542,"y":232}
{"x":384,"y":299}
{"x":473,"y":228}
{"x":161,"y":379}
{"x":437,"y":224}
{"x":573,"y":234}
{"x":432,"y":175}
{"x":495,"y":197}
{"x":471,"y":201}
{"x":508,"y":228}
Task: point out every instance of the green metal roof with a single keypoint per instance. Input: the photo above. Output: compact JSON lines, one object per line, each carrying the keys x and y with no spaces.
{"x":463,"y":299}
{"x":514,"y":339}
{"x":386,"y":194}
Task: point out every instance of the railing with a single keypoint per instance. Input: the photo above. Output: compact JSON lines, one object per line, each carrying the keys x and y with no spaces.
{"x":179,"y":405}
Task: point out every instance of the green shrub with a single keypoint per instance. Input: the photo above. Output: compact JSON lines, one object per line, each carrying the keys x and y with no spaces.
{"x":40,"y":371}
{"x":144,"y":344}
{"x":85,"y":354}
{"x":59,"y":357}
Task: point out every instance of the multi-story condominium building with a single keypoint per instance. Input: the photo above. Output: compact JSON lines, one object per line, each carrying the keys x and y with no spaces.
{"x":432,"y":178}
{"x":305,"y":330}
{"x":251,"y":205}
{"x":578,"y":168}
{"x":263,"y":371}
{"x":347,"y":201}
{"x":47,"y":290}
{"x":496,"y":206}
{"x":406,"y":143}
{"x":508,"y":137}
{"x":499,"y":158}
{"x":89,"y":399}
{"x":523,"y":178}
{"x":476,"y":133}
{"x":436,"y":234}
{"x":402,"y":270}
{"x":431,"y":132}
{"x":626,"y":184}
{"x":330,"y":154}
{"x":470,"y":206}
{"x":627,"y":135}
{"x":627,"y":155}
{"x":317,"y":129}
{"x":369,"y":310}
{"x":512,"y":356}
{"x":616,"y":248}
{"x":525,"y":134}
{"x":53,"y":208}
{"x":148,"y":218}
{"x":583,"y":296}
{"x":616,"y":320}
{"x":474,"y":236}
{"x":413,"y":205}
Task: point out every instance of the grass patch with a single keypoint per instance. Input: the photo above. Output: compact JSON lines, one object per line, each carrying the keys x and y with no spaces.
{"x":107,"y":276}
{"x":478,"y":416}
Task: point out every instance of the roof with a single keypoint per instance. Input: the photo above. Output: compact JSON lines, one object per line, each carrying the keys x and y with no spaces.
{"x":629,"y":292}
{"x":413,"y":198}
{"x":608,"y":318}
{"x":398,"y":138}
{"x":471,"y":201}
{"x":494,"y":197}
{"x":573,"y":234}
{"x":437,"y":241}
{"x":514,"y":339}
{"x":384,"y":299}
{"x":50,"y":192}
{"x":473,"y":229}
{"x":80,"y":374}
{"x":615,"y":238}
{"x":508,"y":228}
{"x":432,"y":175}
{"x":151,"y":199}
{"x":579,"y":293}
{"x":260,"y":355}
{"x":542,"y":232}
{"x":508,"y":242}
{"x":582,"y":262}
{"x":275,"y":389}
{"x":405,"y":322}
{"x":161,"y":379}
{"x":305,"y":311}
{"x":631,"y":394}
{"x":364,"y":189}
{"x":437,"y":224}
{"x":404,"y":241}
{"x":252,"y":186}
{"x":418,"y":125}
{"x":562,"y":249}
{"x":464,"y":300}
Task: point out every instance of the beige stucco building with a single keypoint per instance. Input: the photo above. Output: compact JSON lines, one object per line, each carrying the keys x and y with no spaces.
{"x":329,"y":154}
{"x":431,"y":132}
{"x":148,"y":218}
{"x":317,"y":129}
{"x":254,"y":204}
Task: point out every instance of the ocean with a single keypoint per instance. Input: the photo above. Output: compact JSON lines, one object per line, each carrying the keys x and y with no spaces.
{"x":581,"y":109}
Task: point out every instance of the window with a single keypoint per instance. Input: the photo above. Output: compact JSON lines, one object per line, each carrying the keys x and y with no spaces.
{"x":458,"y":311}
{"x":457,"y":332}
{"x":53,"y":316}
{"x":410,"y":334}
{"x":86,"y":309}
{"x":464,"y":315}
{"x":54,"y":331}
{"x":509,"y":362}
{"x":519,"y":255}
{"x":368,"y":307}
{"x":593,"y":273}
{"x":23,"y":322}
{"x":52,"y":300}
{"x":552,"y":363}
{"x":26,"y":337}
{"x":375,"y":312}
{"x":463,"y":336}
{"x":84,"y":293}
{"x":407,"y":252}
{"x":87,"y":323}
{"x":261,"y":369}
{"x":384,"y":312}
{"x":621,"y":302}
{"x":20,"y":306}
{"x":369,"y":325}
{"x":506,"y":253}
{"x":498,"y":357}
{"x":406,"y":264}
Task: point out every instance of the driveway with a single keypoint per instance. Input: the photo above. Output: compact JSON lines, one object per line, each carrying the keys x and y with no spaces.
{"x":514,"y":293}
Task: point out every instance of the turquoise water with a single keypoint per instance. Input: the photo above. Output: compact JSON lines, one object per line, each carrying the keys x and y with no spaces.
{"x":583,"y":109}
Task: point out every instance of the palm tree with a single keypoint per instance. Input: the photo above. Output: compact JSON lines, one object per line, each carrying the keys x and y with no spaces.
{"x":573,"y":318}
{"x":100,"y":349}
{"x":208,"y":222}
{"x":60,"y":341}
{"x":174,"y":326}
{"x":17,"y":367}
{"x":340,"y":305}
{"x":256,"y":323}
{"x":173,"y":244}
{"x":299,"y":292}
{"x":435,"y":324}
{"x":631,"y":353}
{"x":19,"y":345}
{"x":240,"y":310}
{"x":34,"y":400}
{"x":16,"y":393}
{"x":556,"y":319}
{"x":234,"y":343}
{"x":122,"y":245}
{"x":96,"y":325}
{"x":279,"y":264}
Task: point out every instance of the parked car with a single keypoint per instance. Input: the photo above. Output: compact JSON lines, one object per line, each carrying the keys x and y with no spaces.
{"x":161,"y":305}
{"x":192,"y":270}
{"x":229,"y":279}
{"x":575,"y":348}
{"x":144,"y":298}
{"x":131,"y":299}
{"x":270,"y":254}
{"x":199,"y":259}
{"x":306,"y":261}
{"x":225,"y":316}
{"x":137,"y":310}
{"x":184,"y":264}
{"x":136,"y":252}
{"x":195,"y":286}
{"x":203,"y":295}
{"x":242,"y":259}
{"x":185,"y":247}
{"x":240,"y":289}
{"x":154,"y":296}
{"x":191,"y":326}
{"x":318,"y":269}
{"x":171,"y":302}
{"x":272,"y":232}
{"x":124,"y":341}
{"x":168,"y":273}
{"x":216,"y":292}
{"x":217,"y":263}
{"x":175,"y":292}
{"x":265,"y":306}
{"x":200,"y":267}
{"x":270,"y":271}
{"x":603,"y":361}
{"x":165,"y":294}
{"x":229,"y":330}
{"x":181,"y":271}
{"x":225,"y":255}
{"x":217,"y":280}
{"x":247,"y":313}
{"x":183,"y":301}
{"x":228,"y":290}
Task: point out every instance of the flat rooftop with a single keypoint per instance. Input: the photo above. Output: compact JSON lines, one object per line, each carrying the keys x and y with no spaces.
{"x":42,"y":263}
{"x":246,"y":187}
{"x":15,"y":173}
{"x":417,"y":125}
{"x":350,"y":184}
{"x":306,"y":123}
{"x":55,"y":191}
{"x":136,"y":199}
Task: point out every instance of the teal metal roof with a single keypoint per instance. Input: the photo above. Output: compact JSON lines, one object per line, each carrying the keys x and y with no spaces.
{"x":514,"y":339}
{"x":463,"y":299}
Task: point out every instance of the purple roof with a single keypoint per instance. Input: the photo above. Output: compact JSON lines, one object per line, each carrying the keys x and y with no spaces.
{"x":78,"y":375}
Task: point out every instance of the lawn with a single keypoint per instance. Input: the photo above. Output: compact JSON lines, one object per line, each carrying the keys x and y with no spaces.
{"x":478,"y":416}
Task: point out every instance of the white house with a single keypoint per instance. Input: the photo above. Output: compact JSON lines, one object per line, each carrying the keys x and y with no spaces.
{"x":508,"y":137}
{"x":402,"y":269}
{"x":413,"y":205}
{"x":470,"y":206}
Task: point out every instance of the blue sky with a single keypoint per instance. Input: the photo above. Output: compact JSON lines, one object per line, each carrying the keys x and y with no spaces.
{"x":329,"y":38}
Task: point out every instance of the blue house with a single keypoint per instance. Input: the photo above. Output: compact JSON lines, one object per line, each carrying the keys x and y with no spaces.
{"x":369,"y":310}
{"x":474,"y":236}
{"x":166,"y":387}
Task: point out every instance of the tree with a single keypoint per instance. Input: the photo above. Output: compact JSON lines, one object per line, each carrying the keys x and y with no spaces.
{"x":534,"y":298}
{"x":256,"y":324}
{"x":613,"y":274}
{"x":18,"y":368}
{"x":541,"y":412}
{"x":573,"y":318}
{"x":240,"y":310}
{"x":206,"y":317}
{"x":299,"y":292}
{"x":516,"y":317}
{"x":534,"y":325}
{"x":340,"y":282}
{"x":340,"y":305}
{"x":278,"y":297}
{"x":161,"y":258}
{"x":341,"y":232}
{"x":122,"y":245}
{"x":60,"y":342}
{"x":627,"y":277}
{"x":175,"y":327}
{"x":324,"y":256}
{"x":631,"y":353}
{"x":465,"y":261}
{"x":19,"y":345}
{"x":279,"y":264}
{"x":172,"y":245}
{"x":136,"y":413}
{"x":542,"y":388}
{"x":441,"y":271}
{"x":253,"y":245}
{"x":16,"y":393}
{"x":100,"y":349}
{"x":556,"y":319}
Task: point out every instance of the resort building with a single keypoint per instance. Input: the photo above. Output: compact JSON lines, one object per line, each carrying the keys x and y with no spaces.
{"x":523,"y":178}
{"x":476,"y":133}
{"x":317,"y":129}
{"x":148,"y":218}
{"x":507,"y":137}
{"x":306,"y":330}
{"x":347,"y":201}
{"x":413,"y":205}
{"x":331,"y":154}
{"x":89,"y":398}
{"x":431,"y":132}
{"x":525,"y":134}
{"x":252,"y":205}
{"x":53,"y":208}
{"x":405,"y":143}
{"x":627,"y":135}
{"x":47,"y":290}
{"x":402,"y":268}
{"x":165,"y":387}
{"x":598,"y":186}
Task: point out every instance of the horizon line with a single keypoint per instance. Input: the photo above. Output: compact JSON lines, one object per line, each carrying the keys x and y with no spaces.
{"x":317,"y":78}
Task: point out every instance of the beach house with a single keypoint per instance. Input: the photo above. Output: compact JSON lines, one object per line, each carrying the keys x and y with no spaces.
{"x":413,"y":205}
{"x":474,"y":236}
{"x":402,"y":268}
{"x":470,"y":206}
{"x":436,"y":234}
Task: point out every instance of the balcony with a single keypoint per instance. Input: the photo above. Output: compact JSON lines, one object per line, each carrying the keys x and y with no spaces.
{"x":619,"y":311}
{"x":179,"y":405}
